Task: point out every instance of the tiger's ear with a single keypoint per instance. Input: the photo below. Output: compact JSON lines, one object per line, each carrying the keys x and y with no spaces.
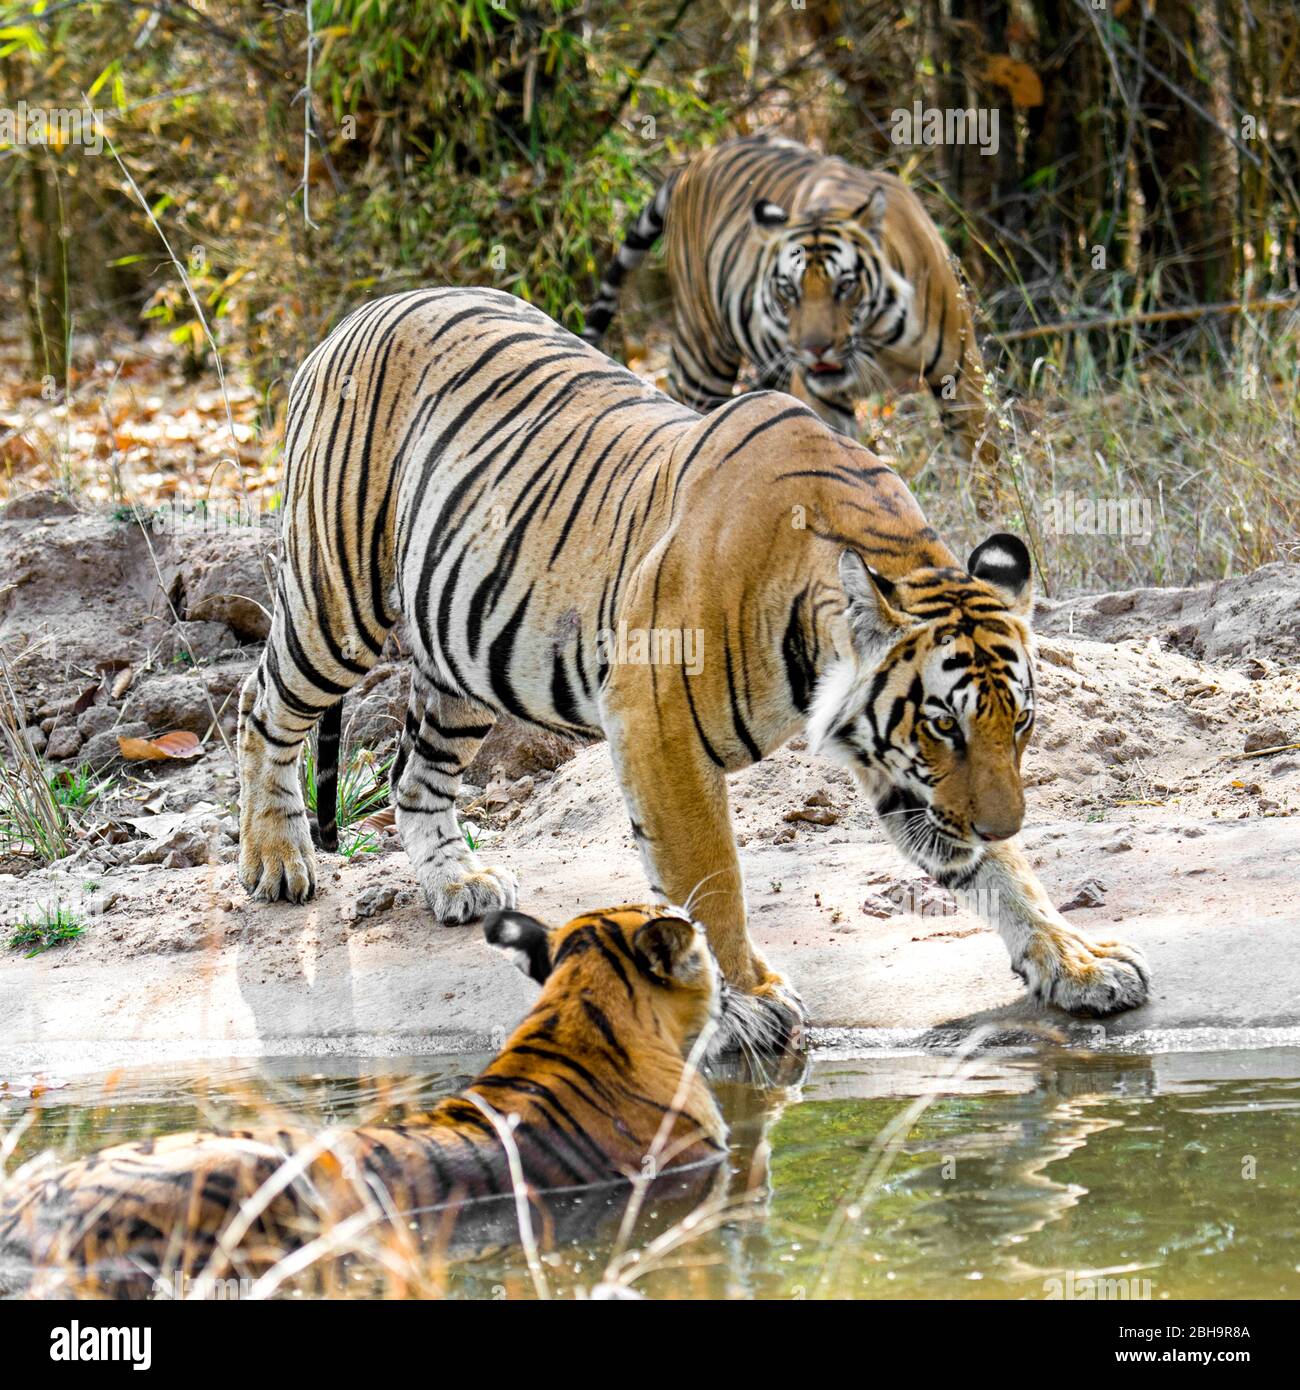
{"x":664,"y":944}
{"x":769,"y":217}
{"x":524,"y":939}
{"x":871,"y":214}
{"x":1002,"y":562}
{"x":873,"y":620}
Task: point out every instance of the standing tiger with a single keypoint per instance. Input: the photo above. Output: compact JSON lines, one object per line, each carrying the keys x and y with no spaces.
{"x":457,"y":460}
{"x":596,"y":1084}
{"x":830,"y":281}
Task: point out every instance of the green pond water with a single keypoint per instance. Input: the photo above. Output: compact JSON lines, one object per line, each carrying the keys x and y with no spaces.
{"x":874,"y":1176}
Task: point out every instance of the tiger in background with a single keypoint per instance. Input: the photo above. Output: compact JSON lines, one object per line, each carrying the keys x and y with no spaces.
{"x":596,"y":1082}
{"x":830,"y":282}
{"x":457,"y":460}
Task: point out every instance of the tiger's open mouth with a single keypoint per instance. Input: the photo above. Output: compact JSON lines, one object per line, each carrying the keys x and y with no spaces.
{"x":826,"y":368}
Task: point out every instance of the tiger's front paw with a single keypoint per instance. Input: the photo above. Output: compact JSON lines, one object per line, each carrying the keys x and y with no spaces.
{"x":276,"y":859}
{"x":460,"y":894}
{"x":768,"y":1021}
{"x":1092,"y":978}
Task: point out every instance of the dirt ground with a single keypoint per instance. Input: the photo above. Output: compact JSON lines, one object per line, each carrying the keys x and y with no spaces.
{"x":1148,"y":817}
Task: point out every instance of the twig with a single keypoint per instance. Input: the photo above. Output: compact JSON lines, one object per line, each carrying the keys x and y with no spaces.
{"x":650,"y":1169}
{"x":1263,"y":752}
{"x":519,"y":1186}
{"x":306,"y":123}
{"x":1195,"y":311}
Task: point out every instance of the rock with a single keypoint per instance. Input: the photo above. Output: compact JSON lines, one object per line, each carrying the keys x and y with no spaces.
{"x":1266,"y":736}
{"x":1117,"y":846}
{"x":876,"y":905}
{"x":64,"y":742}
{"x":201,"y":641}
{"x":376,"y":711}
{"x":185,"y":847}
{"x":513,"y":750}
{"x":1090,"y":893}
{"x":1251,"y":616}
{"x":379,"y":897}
{"x":223,"y":579}
{"x":102,"y":749}
{"x":171,"y":702}
{"x":95,"y":720}
{"x":31,"y":506}
{"x":814,"y":815}
{"x":37,"y":739}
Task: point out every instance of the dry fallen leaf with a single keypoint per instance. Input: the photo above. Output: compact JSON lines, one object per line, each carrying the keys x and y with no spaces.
{"x":1020,"y":80}
{"x":177,"y":744}
{"x":381,"y":821}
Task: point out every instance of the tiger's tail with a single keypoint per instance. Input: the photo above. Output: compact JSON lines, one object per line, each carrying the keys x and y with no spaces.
{"x":641,"y":236}
{"x":327,"y":776}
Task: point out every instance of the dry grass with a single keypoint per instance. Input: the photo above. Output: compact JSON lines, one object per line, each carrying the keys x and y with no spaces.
{"x":1203,"y":458}
{"x":31,"y":819}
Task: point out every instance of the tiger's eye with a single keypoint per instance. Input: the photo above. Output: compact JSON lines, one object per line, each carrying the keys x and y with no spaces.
{"x":945,"y":724}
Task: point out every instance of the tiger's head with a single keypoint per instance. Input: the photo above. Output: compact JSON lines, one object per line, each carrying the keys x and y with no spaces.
{"x":934,"y":708}
{"x":826,"y":290}
{"x":622,"y":971}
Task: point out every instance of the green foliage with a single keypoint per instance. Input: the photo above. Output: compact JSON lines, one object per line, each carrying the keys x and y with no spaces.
{"x":510,"y":171}
{"x":53,"y":927}
{"x":76,"y":789}
{"x":363,"y":783}
{"x":363,"y":842}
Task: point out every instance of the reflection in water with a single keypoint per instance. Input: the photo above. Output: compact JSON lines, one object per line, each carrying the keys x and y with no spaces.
{"x":1169,"y":1176}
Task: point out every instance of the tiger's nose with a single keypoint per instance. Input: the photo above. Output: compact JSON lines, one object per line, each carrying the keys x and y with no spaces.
{"x":818,"y":347}
{"x":995,"y":831}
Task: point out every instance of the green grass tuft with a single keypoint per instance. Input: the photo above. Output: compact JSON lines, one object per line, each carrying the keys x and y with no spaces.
{"x":51,"y":928}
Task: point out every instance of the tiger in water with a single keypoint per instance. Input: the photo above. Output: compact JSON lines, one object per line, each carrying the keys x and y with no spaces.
{"x":595,"y":1086}
{"x":829,"y":281}
{"x":457,"y":461}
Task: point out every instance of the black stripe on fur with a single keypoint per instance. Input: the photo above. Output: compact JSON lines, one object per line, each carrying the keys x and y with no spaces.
{"x":327,"y":776}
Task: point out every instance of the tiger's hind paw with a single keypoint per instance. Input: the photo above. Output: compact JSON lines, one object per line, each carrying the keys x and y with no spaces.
{"x":1091,"y":978}
{"x":459,"y":894}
